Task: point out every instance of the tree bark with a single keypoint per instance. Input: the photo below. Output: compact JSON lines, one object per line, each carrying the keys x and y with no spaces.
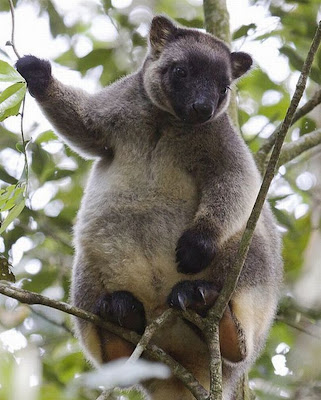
{"x":217,"y":22}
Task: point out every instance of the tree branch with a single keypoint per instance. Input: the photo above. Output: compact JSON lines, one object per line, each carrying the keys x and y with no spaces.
{"x":304,"y":143}
{"x":152,"y":351}
{"x":308,"y":106}
{"x":263,"y":152}
{"x":148,"y":334}
{"x":299,"y":327}
{"x":217,"y":22}
{"x":51,"y":321}
{"x":12,"y":42}
{"x":217,"y":19}
{"x":289,"y":304}
{"x":106,"y":395}
{"x":213,"y":341}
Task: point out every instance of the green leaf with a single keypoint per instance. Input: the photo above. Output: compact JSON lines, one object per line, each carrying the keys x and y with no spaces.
{"x":297,"y":62}
{"x":5,"y":177}
{"x":56,"y":21}
{"x":46,"y":136}
{"x":8,"y":73}
{"x":57,"y":174}
{"x":6,"y":194}
{"x":14,"y":213}
{"x":68,"y":59}
{"x":294,"y":244}
{"x":243,"y":31}
{"x":10,"y":100}
{"x":107,"y":5}
{"x":284,"y":218}
{"x":42,"y":162}
{"x":191,"y":23}
{"x":307,"y":125}
{"x":94,"y":58}
{"x":21,"y":147}
{"x":11,"y":196}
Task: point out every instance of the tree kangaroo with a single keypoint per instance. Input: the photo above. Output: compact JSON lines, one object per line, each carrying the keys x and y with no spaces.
{"x":165,"y":205}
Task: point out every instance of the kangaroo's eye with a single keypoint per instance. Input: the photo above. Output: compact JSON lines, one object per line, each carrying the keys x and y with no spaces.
{"x":180,"y":72}
{"x":224,"y":90}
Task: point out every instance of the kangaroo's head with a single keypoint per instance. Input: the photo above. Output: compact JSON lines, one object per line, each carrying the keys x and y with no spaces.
{"x":188,"y":73}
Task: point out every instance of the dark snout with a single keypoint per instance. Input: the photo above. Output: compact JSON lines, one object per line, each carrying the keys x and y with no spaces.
{"x":196,"y":110}
{"x":203,"y":110}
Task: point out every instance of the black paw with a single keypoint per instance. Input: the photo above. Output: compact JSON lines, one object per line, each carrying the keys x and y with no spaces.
{"x":36,"y":72}
{"x":195,"y":250}
{"x":123,"y":309}
{"x":195,"y":295}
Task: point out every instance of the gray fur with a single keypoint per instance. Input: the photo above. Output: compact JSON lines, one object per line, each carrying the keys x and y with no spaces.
{"x":154,"y":177}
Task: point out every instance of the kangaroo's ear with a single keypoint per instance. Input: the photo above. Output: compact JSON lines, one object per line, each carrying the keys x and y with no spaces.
{"x":162,"y":31}
{"x":241,"y":63}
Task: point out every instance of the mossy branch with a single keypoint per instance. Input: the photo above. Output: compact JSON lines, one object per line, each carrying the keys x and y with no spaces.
{"x":217,"y":22}
{"x":217,"y":19}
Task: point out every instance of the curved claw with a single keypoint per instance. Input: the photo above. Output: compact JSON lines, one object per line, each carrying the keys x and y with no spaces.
{"x":181,"y":302}
{"x":202,"y":293}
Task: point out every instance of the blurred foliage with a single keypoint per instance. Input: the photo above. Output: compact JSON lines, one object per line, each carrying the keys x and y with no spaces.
{"x":37,"y":244}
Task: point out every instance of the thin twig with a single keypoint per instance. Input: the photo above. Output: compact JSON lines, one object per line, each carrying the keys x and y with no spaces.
{"x":289,"y":303}
{"x":299,"y":327}
{"x":153,"y":327}
{"x":304,"y":143}
{"x":264,"y":150}
{"x":51,"y":321}
{"x":106,"y":395}
{"x":152,"y":351}
{"x":308,"y":106}
{"x":12,"y":42}
{"x":148,"y":334}
{"x":24,"y":143}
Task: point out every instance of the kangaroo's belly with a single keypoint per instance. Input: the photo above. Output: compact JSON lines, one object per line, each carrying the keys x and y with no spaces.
{"x":127,"y":230}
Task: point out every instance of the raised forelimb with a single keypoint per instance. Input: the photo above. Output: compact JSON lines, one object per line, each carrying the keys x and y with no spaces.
{"x":69,"y":109}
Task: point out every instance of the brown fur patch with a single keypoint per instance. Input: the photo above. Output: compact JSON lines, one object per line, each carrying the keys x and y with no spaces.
{"x":229,"y":338}
{"x":115,"y":348}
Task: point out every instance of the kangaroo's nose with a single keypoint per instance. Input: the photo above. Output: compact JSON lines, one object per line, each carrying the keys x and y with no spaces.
{"x":203,"y":109}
